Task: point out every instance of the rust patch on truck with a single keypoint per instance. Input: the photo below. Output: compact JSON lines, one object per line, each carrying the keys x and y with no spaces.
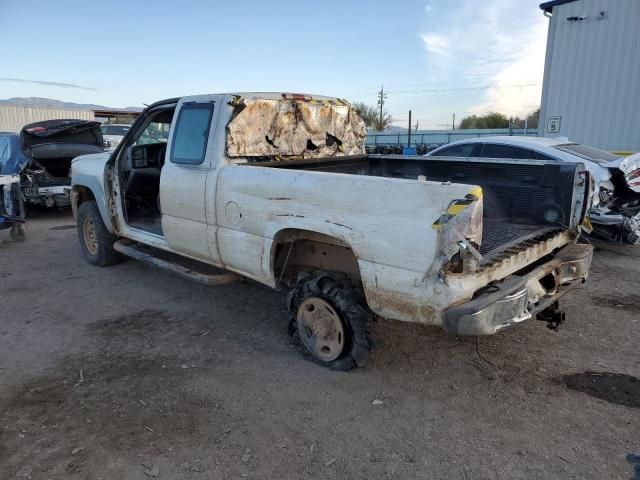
{"x":392,"y":301}
{"x":397,"y":306}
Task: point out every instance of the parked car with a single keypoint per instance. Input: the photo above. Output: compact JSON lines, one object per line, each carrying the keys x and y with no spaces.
{"x":113,"y":133}
{"x":615,"y":205}
{"x":278,"y":188}
{"x":41,"y":155}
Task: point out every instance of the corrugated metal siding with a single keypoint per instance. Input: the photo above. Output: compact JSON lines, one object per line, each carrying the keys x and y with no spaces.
{"x":592,"y":74}
{"x":12,"y":119}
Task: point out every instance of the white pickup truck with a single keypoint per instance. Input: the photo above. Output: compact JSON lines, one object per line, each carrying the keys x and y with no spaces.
{"x":277,"y":188}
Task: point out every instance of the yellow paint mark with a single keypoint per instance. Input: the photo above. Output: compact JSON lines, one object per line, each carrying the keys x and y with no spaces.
{"x":456,"y":209}
{"x":476,"y":192}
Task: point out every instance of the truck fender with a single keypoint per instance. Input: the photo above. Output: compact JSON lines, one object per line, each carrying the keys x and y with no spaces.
{"x":86,"y":187}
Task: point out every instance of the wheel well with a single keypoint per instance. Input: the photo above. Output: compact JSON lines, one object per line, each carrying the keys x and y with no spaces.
{"x":79,"y":195}
{"x":83,"y":194}
{"x":296,"y":251}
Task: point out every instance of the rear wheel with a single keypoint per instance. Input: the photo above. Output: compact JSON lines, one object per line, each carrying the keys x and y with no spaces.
{"x":95,"y":240}
{"x":329,"y":322}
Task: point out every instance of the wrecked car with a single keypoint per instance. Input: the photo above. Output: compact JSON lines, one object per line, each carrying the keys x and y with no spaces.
{"x":278,"y":188}
{"x":41,"y":156}
{"x":615,"y":203}
{"x":12,"y":212}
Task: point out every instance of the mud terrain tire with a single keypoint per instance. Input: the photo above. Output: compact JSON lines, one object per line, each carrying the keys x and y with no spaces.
{"x":344,"y":303}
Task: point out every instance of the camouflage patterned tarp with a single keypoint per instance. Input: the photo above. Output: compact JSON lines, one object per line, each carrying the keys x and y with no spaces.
{"x":294,"y":128}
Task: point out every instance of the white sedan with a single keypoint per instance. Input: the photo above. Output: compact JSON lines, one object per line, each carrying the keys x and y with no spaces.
{"x":615,"y":207}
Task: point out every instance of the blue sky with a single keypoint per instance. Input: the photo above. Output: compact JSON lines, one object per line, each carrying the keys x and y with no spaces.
{"x":436,"y":57}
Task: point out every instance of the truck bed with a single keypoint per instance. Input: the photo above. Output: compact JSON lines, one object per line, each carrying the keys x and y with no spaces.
{"x":518,"y":194}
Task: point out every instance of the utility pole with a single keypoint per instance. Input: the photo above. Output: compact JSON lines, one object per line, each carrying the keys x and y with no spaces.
{"x":381,"y":98}
{"x":409,"y":135}
{"x":453,"y":123}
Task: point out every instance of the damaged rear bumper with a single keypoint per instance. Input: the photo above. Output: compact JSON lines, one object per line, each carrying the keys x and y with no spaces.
{"x":521,"y":298}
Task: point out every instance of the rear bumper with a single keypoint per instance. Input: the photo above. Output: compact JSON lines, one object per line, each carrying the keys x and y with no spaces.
{"x":521,"y":298}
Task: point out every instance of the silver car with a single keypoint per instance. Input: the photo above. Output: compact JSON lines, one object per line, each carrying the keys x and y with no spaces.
{"x":615,"y":204}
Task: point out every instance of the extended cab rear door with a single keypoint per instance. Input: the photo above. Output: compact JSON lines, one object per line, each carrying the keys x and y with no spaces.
{"x":183,"y":181}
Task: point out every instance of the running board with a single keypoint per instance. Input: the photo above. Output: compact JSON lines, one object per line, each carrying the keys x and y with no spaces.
{"x":146,"y":255}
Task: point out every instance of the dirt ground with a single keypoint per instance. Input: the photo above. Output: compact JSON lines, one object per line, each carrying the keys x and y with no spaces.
{"x":182,"y":381}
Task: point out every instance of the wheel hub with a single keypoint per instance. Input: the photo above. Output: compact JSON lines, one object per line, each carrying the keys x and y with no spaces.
{"x":320,"y":328}
{"x":90,"y":236}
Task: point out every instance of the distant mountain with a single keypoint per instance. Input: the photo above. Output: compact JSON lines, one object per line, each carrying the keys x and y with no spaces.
{"x":389,"y":129}
{"x":39,"y":102}
{"x":395,"y":129}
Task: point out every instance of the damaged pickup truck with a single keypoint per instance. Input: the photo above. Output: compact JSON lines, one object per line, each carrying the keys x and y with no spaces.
{"x":41,"y":156}
{"x":277,"y":188}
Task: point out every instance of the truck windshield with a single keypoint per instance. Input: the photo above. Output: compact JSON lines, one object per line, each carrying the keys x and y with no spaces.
{"x":588,"y":153}
{"x":156,"y":132}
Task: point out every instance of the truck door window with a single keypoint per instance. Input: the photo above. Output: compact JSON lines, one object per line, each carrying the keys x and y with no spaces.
{"x":191,"y":133}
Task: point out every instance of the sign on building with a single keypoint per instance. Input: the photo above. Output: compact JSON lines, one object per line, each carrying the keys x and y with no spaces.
{"x":553,"y":124}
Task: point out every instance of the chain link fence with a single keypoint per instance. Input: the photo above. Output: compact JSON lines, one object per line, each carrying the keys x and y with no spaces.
{"x":426,"y":140}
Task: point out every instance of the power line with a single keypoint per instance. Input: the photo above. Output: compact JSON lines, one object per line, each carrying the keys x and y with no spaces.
{"x":453,"y":89}
{"x":476,"y":78}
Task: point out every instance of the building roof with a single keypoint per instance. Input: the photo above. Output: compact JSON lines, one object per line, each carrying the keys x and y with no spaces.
{"x":116,"y":111}
{"x":548,"y":6}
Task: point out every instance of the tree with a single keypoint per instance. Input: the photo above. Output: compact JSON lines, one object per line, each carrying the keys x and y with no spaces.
{"x":533,"y":118}
{"x":496,"y":120}
{"x":382,"y":124}
{"x":472,"y":121}
{"x":499,"y":120}
{"x":366,"y":112}
{"x":371,"y":116}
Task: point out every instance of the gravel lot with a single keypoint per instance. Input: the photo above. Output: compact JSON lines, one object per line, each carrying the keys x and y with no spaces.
{"x":188,"y":382}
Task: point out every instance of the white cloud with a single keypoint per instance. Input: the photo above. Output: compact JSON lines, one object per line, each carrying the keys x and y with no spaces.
{"x":527,"y":69}
{"x":435,"y":44}
{"x":500,"y":44}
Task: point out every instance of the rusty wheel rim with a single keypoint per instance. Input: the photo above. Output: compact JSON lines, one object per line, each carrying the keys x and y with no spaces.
{"x":320,"y":329}
{"x":90,"y":236}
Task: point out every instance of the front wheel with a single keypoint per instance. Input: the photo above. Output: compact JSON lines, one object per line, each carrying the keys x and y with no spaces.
{"x":330,"y":322}
{"x":95,"y":240}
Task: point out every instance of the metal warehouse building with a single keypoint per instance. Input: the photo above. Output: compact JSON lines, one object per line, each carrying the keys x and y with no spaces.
{"x":591,"y":89}
{"x":14,"y":117}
